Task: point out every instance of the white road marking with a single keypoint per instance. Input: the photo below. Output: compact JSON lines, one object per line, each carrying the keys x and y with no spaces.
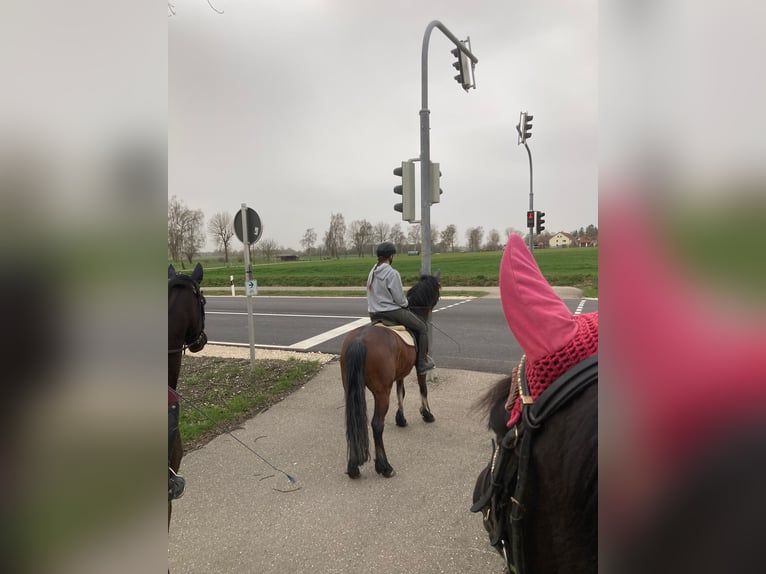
{"x":281,"y":315}
{"x":331,"y":334}
{"x":580,"y":307}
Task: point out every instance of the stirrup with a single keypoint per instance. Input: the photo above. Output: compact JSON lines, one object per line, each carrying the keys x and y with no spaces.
{"x":426,"y":365}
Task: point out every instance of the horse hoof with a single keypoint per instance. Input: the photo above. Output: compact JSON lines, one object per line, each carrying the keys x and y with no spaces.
{"x":401,"y":421}
{"x":427,"y":416}
{"x":353,"y":472}
{"x":389,"y":473}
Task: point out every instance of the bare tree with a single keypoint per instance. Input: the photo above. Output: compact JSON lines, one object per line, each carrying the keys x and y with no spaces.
{"x":176,"y":214}
{"x":185,"y":236}
{"x":334,"y":237}
{"x":474,"y":236}
{"x":448,"y":237}
{"x":414,"y":236}
{"x":493,"y":241}
{"x":220,"y":227}
{"x":309,"y":238}
{"x":381,"y":231}
{"x":193,"y":236}
{"x":396,"y":237}
{"x":360,"y":234}
{"x":268,"y":247}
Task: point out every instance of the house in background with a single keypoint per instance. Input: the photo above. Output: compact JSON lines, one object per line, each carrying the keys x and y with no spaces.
{"x":562,"y":239}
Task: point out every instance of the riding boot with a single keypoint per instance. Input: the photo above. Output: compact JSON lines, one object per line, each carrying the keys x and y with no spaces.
{"x":424,"y":361}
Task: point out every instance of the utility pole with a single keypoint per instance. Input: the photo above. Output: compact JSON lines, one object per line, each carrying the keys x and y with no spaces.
{"x":524,"y":128}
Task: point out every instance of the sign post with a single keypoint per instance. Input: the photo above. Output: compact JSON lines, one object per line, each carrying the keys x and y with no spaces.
{"x":247,"y":226}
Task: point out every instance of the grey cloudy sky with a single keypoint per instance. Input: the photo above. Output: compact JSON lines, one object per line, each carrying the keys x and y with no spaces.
{"x":303,"y":108}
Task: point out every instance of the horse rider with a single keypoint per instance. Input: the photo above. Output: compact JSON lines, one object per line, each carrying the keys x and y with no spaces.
{"x":386,"y":301}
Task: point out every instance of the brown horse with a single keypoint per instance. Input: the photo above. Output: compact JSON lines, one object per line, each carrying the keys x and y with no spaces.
{"x":376,"y":357}
{"x":186,"y":330}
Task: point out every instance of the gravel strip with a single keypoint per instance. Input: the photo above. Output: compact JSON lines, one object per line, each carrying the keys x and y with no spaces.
{"x":231,"y":352}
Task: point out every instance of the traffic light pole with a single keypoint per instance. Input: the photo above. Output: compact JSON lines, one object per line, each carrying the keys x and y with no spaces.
{"x":425,"y":142}
{"x":531,"y":199}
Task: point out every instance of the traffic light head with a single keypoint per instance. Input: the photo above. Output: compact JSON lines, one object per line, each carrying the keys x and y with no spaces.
{"x":530,"y":219}
{"x":540,"y":221}
{"x":524,"y":127}
{"x":464,"y":66}
{"x":406,"y":190}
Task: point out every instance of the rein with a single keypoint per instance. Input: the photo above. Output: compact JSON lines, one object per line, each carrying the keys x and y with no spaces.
{"x":501,"y":502}
{"x":199,"y":342}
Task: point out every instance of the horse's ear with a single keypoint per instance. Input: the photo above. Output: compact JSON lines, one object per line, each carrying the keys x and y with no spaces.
{"x":171,"y":271}
{"x":197,"y":273}
{"x":438,"y":274}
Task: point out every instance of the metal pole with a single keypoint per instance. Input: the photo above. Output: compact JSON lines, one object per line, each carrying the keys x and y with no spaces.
{"x":248,"y":277}
{"x":425,"y":142}
{"x":531,"y":199}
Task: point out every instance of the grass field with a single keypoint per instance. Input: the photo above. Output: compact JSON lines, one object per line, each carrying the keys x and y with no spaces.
{"x":577,"y":267}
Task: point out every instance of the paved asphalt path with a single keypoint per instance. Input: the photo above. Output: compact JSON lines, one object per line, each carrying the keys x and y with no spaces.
{"x":233,"y":519}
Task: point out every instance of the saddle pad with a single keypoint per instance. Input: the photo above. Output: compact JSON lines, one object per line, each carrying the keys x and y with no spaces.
{"x":400,"y":330}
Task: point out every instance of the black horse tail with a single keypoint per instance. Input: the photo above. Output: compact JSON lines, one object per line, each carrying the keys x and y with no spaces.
{"x":356,"y":405}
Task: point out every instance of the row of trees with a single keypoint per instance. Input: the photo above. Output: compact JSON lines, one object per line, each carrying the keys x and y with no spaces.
{"x":187,"y":238}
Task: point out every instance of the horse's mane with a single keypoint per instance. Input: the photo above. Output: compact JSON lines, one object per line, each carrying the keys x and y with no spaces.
{"x":492,"y":405}
{"x":424,"y":293}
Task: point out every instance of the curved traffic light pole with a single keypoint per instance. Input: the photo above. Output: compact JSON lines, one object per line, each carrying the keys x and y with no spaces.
{"x":425,"y":142}
{"x":531,"y":198}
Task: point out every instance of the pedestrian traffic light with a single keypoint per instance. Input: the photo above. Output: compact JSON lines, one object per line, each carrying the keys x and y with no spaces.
{"x":464,"y":66}
{"x":540,"y":221}
{"x":530,"y":219}
{"x":406,"y":190}
{"x":524,"y":127}
{"x":435,"y":183}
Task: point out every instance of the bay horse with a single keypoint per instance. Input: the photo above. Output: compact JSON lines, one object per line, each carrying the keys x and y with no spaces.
{"x":539,"y":494}
{"x":186,"y":330}
{"x":375,"y":357}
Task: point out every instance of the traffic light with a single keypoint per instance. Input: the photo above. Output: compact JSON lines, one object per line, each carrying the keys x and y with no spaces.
{"x":406,"y":190}
{"x":530,"y":219}
{"x":464,"y":66}
{"x":435,"y":183}
{"x":524,"y":127}
{"x":540,"y":221}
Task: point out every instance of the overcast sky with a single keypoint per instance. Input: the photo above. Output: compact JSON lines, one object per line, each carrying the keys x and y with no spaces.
{"x":302,"y":108}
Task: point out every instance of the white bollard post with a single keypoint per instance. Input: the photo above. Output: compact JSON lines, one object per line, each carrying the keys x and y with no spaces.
{"x":231,"y":282}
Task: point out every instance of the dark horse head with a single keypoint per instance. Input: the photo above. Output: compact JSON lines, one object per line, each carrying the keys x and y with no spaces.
{"x":424,"y":295}
{"x":538,"y":494}
{"x":186,"y":311}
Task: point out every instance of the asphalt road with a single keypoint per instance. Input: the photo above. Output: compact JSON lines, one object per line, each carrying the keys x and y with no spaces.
{"x":468,"y":333}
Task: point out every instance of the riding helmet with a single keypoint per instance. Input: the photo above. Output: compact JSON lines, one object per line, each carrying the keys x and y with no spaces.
{"x":386,"y":250}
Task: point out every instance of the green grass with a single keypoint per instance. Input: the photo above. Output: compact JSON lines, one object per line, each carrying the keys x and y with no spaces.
{"x":576,"y":267}
{"x":227,"y":391}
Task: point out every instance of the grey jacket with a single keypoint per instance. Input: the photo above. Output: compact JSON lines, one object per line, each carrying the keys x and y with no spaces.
{"x":384,"y":289}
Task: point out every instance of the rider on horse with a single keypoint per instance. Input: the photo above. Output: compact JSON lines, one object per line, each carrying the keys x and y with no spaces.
{"x":386,"y":302}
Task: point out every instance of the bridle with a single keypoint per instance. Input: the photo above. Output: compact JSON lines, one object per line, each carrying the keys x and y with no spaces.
{"x":196,"y":342}
{"x":504,"y":480}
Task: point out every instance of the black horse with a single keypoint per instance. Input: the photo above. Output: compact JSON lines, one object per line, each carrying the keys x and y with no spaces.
{"x":539,"y":494}
{"x":186,"y":330}
{"x":376,"y":357}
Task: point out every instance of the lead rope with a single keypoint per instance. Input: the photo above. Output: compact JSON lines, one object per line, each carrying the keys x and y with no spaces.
{"x":290,"y":478}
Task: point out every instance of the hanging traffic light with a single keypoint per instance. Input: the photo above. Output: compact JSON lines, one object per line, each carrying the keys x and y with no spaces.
{"x":406,"y":190}
{"x":524,"y":127}
{"x":464,"y":66}
{"x":540,"y":221}
{"x":530,"y":219}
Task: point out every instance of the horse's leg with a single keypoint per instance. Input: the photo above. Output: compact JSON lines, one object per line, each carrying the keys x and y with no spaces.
{"x":425,"y":410}
{"x":378,"y":421}
{"x":400,"y":420}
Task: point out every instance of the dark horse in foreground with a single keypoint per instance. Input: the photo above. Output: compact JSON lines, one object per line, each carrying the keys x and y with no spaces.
{"x":186,"y":330}
{"x":376,"y":356}
{"x":539,"y":494}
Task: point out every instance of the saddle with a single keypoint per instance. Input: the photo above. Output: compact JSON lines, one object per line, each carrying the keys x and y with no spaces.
{"x":500,"y":489}
{"x":400,"y":330}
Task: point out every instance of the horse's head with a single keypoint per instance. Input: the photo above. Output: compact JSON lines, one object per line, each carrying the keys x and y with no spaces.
{"x":186,"y":311}
{"x":424,"y":295}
